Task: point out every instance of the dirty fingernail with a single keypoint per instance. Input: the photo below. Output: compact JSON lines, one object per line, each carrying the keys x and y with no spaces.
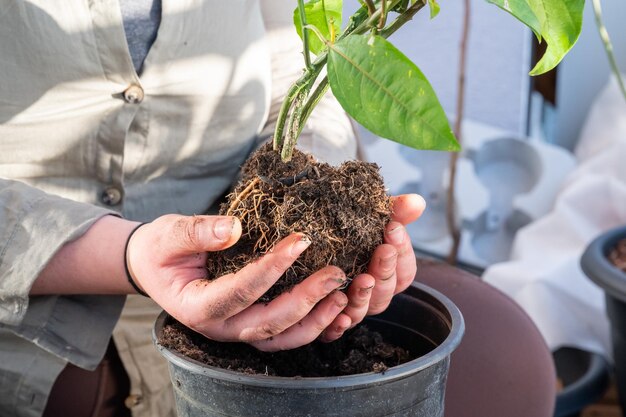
{"x":340,"y":330}
{"x":388,"y":263}
{"x":300,"y":245}
{"x":342,"y":303}
{"x":365,"y":292}
{"x":396,"y":235}
{"x":223,"y":228}
{"x":333,"y":283}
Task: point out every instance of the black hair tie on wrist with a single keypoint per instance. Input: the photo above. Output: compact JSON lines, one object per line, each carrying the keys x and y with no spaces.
{"x":128,"y":276}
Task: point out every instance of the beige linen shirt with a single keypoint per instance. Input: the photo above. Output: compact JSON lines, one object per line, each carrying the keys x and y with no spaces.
{"x":82,"y":135}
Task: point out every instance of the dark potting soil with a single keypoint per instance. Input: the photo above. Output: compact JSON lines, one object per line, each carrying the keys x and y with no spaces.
{"x":343,"y":210}
{"x":360,"y":350}
{"x":617,"y":256}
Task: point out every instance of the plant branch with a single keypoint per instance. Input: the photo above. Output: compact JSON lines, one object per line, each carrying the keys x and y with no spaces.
{"x":608,"y":46}
{"x":283,"y":113}
{"x":402,"y":19}
{"x":370,"y":6}
{"x":305,"y":35}
{"x":297,"y":107}
{"x":453,"y":227}
{"x":322,"y":88}
{"x":293,"y":125}
{"x":314,"y":98}
{"x":373,"y":19}
{"x":355,"y":21}
{"x":383,"y":15}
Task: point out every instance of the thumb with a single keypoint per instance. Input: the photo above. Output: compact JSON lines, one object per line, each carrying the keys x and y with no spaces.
{"x":407,"y":208}
{"x":204,"y":233}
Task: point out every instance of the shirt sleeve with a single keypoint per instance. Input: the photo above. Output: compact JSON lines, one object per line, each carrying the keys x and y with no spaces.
{"x":328,"y":133}
{"x":33,"y":226}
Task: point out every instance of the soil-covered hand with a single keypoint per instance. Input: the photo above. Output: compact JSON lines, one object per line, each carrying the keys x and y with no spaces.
{"x":167,"y":260}
{"x":390,"y":271}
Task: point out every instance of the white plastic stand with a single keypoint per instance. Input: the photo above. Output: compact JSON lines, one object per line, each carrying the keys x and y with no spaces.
{"x":503,"y":184}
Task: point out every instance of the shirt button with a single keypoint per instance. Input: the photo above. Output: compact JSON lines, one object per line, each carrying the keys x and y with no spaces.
{"x":133,"y":400}
{"x":111,"y":196}
{"x":133,"y":94}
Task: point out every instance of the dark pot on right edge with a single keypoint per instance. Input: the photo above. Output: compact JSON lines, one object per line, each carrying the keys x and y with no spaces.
{"x":599,"y":269}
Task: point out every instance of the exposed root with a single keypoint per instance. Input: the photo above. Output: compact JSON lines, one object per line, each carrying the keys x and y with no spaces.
{"x":241,"y":196}
{"x":343,"y":210}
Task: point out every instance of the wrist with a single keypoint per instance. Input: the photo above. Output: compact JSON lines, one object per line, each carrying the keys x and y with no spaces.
{"x":128,"y":269}
{"x":91,"y":264}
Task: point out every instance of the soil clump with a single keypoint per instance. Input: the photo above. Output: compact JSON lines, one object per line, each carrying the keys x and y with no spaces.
{"x":343,"y":210}
{"x":617,"y":256}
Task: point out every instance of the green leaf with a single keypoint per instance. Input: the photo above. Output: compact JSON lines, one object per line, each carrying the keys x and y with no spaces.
{"x":434,"y":8}
{"x":387,"y":94}
{"x":520,"y":9}
{"x":561,"y":22}
{"x":558,"y":22}
{"x":325,"y":15}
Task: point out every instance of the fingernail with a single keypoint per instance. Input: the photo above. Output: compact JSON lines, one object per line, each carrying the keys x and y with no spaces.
{"x":343,"y":303}
{"x":388,"y":263}
{"x":333,"y":283}
{"x":365,"y":292}
{"x":396,"y":235}
{"x":340,"y":330}
{"x":223,"y":228}
{"x":300,"y":245}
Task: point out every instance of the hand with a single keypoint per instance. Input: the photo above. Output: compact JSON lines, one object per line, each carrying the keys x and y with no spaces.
{"x":167,"y":260}
{"x":390,"y":271}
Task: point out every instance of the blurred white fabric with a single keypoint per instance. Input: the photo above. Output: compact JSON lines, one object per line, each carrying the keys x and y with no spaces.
{"x":544,"y":275}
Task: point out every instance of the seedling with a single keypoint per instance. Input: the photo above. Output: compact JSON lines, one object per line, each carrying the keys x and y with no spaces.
{"x":377,"y":84}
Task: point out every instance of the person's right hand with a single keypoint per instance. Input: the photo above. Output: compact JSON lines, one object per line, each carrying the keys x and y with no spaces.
{"x":167,"y":260}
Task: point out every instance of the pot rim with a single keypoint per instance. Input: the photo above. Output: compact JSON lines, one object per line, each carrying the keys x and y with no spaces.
{"x":599,"y":269}
{"x":441,"y":352}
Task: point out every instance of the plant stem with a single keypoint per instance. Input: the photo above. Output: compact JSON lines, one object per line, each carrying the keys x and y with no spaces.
{"x":305,"y":35}
{"x":373,"y":19}
{"x":453,"y":227}
{"x":370,"y":6}
{"x":402,"y":19}
{"x":383,"y":16}
{"x":314,"y":98}
{"x":296,"y":108}
{"x":608,"y":46}
{"x":292,"y":93}
{"x":356,"y":20}
{"x":322,"y":88}
{"x":293,"y":125}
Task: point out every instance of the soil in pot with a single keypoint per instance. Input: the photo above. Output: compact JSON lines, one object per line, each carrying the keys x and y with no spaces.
{"x":360,"y":350}
{"x":617,"y":255}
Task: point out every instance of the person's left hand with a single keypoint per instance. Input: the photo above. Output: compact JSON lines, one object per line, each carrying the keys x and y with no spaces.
{"x":391,"y":269}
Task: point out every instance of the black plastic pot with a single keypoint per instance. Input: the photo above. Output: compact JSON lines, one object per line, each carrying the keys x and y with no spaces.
{"x":597,"y":267}
{"x":585,"y":376}
{"x":420,"y":316}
